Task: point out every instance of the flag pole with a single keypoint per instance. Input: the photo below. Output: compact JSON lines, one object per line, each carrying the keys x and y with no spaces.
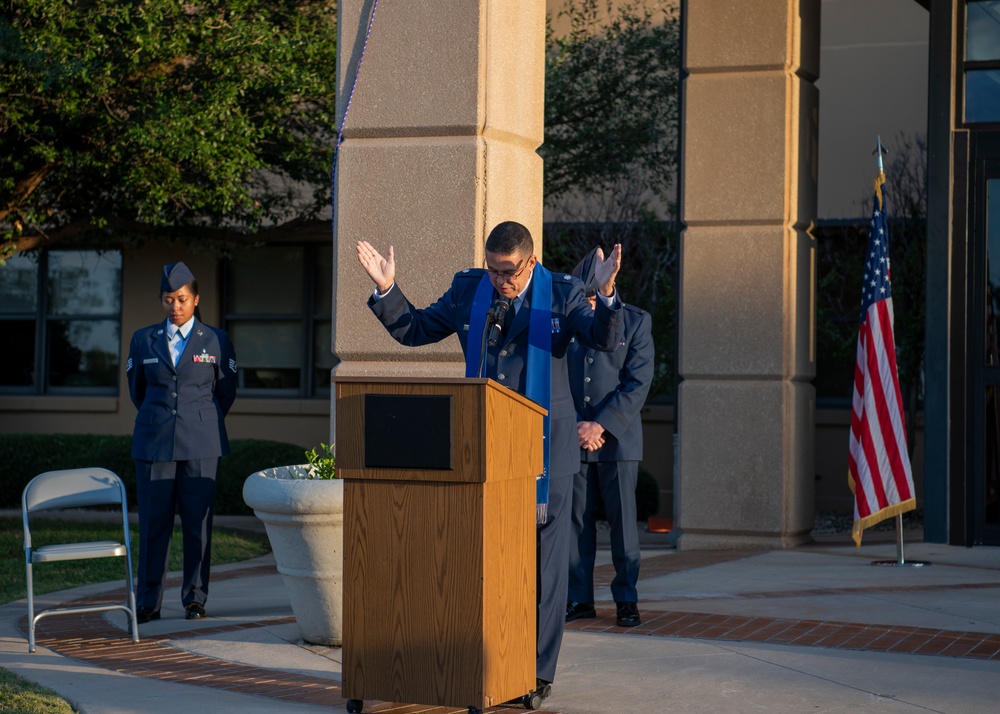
{"x":900,"y":560}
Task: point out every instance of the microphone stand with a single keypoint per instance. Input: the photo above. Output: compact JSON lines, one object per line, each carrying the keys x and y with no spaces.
{"x":494,"y":321}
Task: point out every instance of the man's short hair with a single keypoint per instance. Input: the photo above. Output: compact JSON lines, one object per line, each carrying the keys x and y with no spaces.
{"x":510,"y":238}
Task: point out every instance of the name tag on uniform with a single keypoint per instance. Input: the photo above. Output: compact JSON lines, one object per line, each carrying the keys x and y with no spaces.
{"x":151,"y":360}
{"x":205,"y":358}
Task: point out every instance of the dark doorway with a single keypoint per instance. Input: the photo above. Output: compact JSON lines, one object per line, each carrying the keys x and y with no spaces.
{"x":984,"y":355}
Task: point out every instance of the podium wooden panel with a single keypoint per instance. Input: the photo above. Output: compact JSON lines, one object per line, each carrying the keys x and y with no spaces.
{"x":439,"y":563}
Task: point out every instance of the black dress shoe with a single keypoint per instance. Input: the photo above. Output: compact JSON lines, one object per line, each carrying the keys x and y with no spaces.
{"x":628,"y":614}
{"x":579,"y":611}
{"x":543,"y":688}
{"x":144,"y":615}
{"x":194,"y":611}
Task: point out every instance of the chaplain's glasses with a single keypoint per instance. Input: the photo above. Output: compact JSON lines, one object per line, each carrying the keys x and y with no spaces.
{"x":507,"y":275}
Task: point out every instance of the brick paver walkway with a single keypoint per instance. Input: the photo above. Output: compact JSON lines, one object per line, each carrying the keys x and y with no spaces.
{"x":91,"y":638}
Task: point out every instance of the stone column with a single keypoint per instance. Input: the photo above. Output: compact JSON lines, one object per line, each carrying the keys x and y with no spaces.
{"x":746,"y":403}
{"x":440,"y":146}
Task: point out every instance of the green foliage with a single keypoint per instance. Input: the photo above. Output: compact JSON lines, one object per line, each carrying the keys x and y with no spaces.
{"x":20,"y":696}
{"x":322,"y":466}
{"x":117,"y":117}
{"x":840,"y":264}
{"x":611,"y":118}
{"x":611,"y":102}
{"x":647,"y":278}
{"x":227,"y":547}
{"x":26,"y":455}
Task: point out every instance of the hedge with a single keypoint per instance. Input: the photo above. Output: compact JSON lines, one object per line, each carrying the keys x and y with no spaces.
{"x":24,"y":456}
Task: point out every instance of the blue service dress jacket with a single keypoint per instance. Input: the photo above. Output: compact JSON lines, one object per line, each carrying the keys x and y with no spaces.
{"x":181,"y":409}
{"x":571,"y":317}
{"x":611,"y":387}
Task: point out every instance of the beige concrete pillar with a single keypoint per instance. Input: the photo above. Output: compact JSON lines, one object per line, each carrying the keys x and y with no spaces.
{"x":439,"y":147}
{"x":746,"y":403}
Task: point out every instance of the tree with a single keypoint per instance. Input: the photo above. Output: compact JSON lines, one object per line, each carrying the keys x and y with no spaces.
{"x":611,"y":110}
{"x":840,"y":264}
{"x":610,"y":151}
{"x":157,"y":118}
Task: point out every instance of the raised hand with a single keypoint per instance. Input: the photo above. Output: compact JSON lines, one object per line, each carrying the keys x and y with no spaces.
{"x":381,"y":270}
{"x":607,"y":269}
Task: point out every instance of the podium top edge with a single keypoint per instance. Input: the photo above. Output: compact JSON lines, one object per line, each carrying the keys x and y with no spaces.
{"x":449,"y":381}
{"x":357,"y":379}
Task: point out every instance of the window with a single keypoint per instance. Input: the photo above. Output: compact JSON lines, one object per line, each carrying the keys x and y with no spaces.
{"x":278,"y":311}
{"x":982,"y":61}
{"x":60,"y":313}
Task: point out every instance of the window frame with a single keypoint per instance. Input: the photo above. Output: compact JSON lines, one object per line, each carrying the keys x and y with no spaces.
{"x":308,"y":319}
{"x":42,"y":359}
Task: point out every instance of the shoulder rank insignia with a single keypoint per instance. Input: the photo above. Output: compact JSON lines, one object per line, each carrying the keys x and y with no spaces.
{"x":232,"y":365}
{"x":128,"y":365}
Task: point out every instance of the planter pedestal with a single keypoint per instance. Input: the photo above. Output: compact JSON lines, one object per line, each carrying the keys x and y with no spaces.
{"x":304,"y":519}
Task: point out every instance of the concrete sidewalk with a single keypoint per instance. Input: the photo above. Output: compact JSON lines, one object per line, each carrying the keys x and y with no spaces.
{"x":814,"y":629}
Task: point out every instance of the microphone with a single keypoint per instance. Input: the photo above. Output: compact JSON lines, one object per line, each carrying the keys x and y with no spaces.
{"x":496,"y":316}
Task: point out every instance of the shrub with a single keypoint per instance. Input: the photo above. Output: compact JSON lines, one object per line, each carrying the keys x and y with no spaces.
{"x":26,"y":455}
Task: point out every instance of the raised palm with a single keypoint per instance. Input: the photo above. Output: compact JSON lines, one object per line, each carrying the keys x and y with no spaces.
{"x":381,"y":270}
{"x":606,"y":269}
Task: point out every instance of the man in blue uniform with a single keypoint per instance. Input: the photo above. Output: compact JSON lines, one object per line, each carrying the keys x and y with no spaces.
{"x":182,"y":379}
{"x":546,"y":310}
{"x":609,"y":390}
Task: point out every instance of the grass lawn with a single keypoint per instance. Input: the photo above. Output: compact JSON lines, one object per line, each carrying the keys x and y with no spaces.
{"x":227,"y":547}
{"x":20,"y":696}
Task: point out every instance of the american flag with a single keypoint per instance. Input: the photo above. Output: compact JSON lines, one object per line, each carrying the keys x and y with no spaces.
{"x":879,"y":465}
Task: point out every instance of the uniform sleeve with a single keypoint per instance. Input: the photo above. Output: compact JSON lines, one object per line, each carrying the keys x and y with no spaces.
{"x":618,"y":412}
{"x":599,"y":329}
{"x":225,"y":385}
{"x":135,"y":374}
{"x":412,"y":327}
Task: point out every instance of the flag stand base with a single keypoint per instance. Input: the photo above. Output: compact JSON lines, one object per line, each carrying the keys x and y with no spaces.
{"x":900,"y":560}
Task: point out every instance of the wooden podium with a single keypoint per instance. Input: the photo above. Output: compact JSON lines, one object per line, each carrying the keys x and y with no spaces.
{"x":439,"y":540}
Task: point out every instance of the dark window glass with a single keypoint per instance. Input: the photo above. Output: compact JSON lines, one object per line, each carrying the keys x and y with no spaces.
{"x":982,"y":31}
{"x":266,"y":281}
{"x":61,"y":321}
{"x":19,"y":285}
{"x":84,"y":353}
{"x":84,"y":283}
{"x":982,"y":95}
{"x":992,"y":270}
{"x":269,"y":354}
{"x":323,"y":297}
{"x":17,"y":358}
{"x":278,"y":313}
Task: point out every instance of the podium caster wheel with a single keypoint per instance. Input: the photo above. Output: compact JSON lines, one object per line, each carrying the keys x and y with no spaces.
{"x":474,"y":710}
{"x":354,"y":706}
{"x":532,"y":701}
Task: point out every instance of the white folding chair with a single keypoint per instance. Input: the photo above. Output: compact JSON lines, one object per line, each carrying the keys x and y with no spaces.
{"x":74,"y":488}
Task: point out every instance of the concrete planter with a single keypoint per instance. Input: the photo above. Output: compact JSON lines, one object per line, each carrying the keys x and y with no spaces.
{"x":304,"y":519}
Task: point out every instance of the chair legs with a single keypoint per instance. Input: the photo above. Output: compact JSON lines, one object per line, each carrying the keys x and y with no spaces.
{"x":128,"y":608}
